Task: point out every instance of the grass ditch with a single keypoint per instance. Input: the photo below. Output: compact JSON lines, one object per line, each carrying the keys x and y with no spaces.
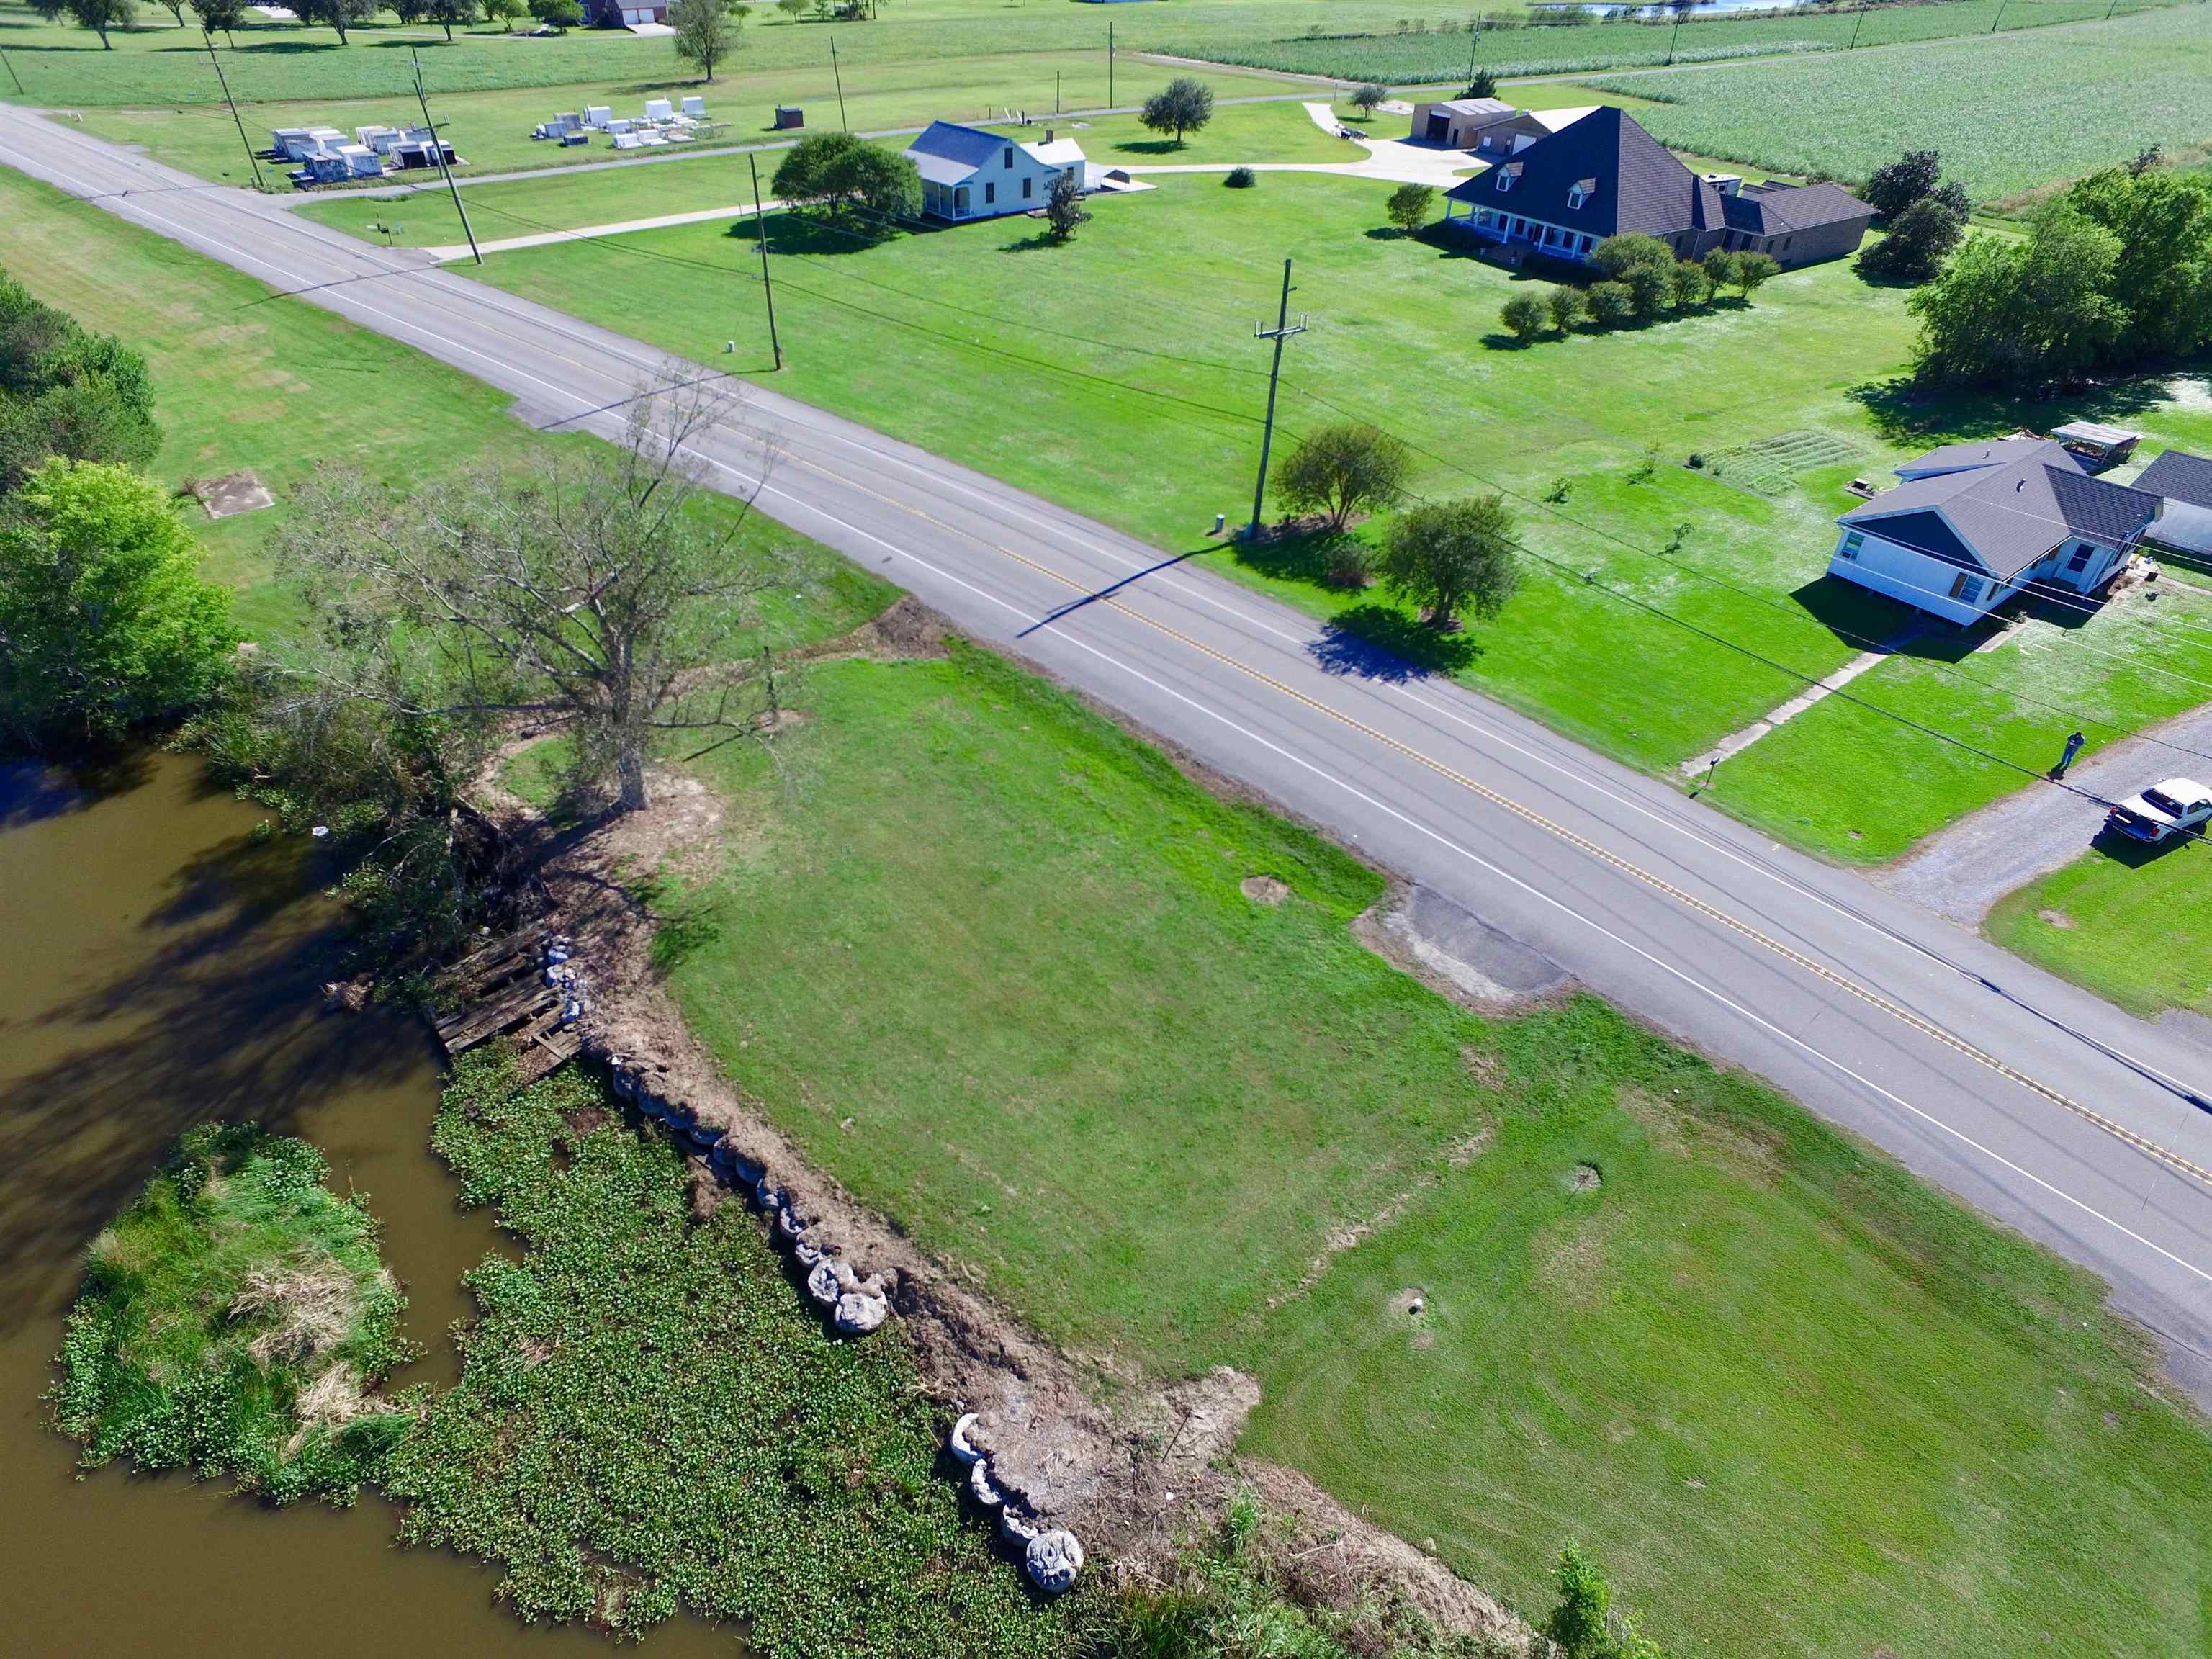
{"x":236,"y":1320}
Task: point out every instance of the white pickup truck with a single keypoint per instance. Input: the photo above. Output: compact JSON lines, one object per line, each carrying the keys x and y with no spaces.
{"x":2178,"y":806}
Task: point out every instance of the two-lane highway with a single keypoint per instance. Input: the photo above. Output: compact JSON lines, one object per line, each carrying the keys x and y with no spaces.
{"x":2029,"y":1098}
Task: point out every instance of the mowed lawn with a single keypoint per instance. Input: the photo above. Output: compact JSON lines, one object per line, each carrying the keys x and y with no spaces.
{"x":992,"y":963}
{"x":1983,"y":102}
{"x":2131,"y":924}
{"x":490,"y":128}
{"x":1117,"y":374}
{"x":243,"y":380}
{"x":425,"y":217}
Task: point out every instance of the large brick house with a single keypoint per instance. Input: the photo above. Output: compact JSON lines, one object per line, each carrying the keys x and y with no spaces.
{"x":1604,"y":175}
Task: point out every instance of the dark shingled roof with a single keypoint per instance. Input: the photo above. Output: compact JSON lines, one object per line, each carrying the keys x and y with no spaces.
{"x":2012,"y":512}
{"x":2179,"y":476}
{"x":1779,"y":210}
{"x":1640,"y":185}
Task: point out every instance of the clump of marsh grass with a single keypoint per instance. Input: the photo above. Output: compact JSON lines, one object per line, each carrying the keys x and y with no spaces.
{"x":236,"y":1319}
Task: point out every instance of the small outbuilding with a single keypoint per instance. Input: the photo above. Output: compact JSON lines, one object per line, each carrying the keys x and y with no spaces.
{"x":2184,"y":483}
{"x":2101,"y":445}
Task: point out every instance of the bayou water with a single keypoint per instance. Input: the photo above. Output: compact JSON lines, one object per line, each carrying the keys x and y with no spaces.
{"x":159,"y":966}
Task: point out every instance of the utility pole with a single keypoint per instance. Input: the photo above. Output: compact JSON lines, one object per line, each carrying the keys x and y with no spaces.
{"x":438,"y":149}
{"x":1473,"y":46}
{"x":1055,"y":83}
{"x":2000,"y":16}
{"x":1860,"y":24}
{"x":760,"y":229}
{"x":1672,"y":35}
{"x":1109,"y":64}
{"x":12,"y":76}
{"x":251,"y":160}
{"x":840,"y":76}
{"x":1283,"y":329}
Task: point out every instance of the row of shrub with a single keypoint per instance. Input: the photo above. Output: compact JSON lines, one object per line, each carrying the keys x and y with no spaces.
{"x":1643,"y":282}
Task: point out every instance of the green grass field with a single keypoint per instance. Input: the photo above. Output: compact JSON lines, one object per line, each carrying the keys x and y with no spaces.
{"x":244,"y":382}
{"x":1166,"y":382}
{"x":491,"y":128}
{"x":990,"y":962}
{"x":2131,"y":926}
{"x":1400,"y":56}
{"x":1273,"y":131}
{"x":2134,"y":82}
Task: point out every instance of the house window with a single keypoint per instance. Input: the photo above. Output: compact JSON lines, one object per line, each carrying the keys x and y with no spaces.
{"x":990,"y":194}
{"x":1966,"y":589}
{"x":1504,"y":177}
{"x":1785,"y":243}
{"x":1026,"y":183}
{"x":960,"y":202}
{"x":1852,"y":543}
{"x":1575,"y":197}
{"x":2080,"y":561}
{"x":1010,"y":155}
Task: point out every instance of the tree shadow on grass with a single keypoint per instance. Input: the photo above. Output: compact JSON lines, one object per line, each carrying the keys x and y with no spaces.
{"x":1149,"y":146}
{"x":1372,"y":641}
{"x":1315,"y":558}
{"x":1903,"y":413}
{"x":818,"y":237}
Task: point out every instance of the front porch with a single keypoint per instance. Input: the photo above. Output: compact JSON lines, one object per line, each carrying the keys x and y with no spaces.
{"x":1508,"y":229}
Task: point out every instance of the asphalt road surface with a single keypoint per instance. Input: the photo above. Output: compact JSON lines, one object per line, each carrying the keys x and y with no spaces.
{"x":2031,"y":1099}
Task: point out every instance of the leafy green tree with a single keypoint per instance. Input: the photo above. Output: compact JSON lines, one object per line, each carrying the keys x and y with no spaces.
{"x":446,"y":14}
{"x":1720,"y":268}
{"x":1063,"y":212}
{"x":705,"y":33}
{"x":1564,"y":305}
{"x":98,"y":15}
{"x":1618,"y":255}
{"x":1752,"y":271}
{"x":1690,"y":285}
{"x":105,"y":622}
{"x":559,"y":15}
{"x":1485,"y":85}
{"x":219,"y":15}
{"x":839,"y":172}
{"x":1409,"y":205}
{"x":1609,"y":304}
{"x":65,"y":391}
{"x":2162,"y":276}
{"x":504,"y":12}
{"x":1650,"y":288}
{"x":1184,"y":104}
{"x":792,"y":9}
{"x":1915,"y":177}
{"x":2014,"y":316}
{"x":339,"y":15}
{"x":1524,"y":315}
{"x":1452,"y":556}
{"x":1365,"y":98}
{"x":176,"y":10}
{"x":1577,"y":1624}
{"x":1918,"y":240}
{"x":1338,"y":468}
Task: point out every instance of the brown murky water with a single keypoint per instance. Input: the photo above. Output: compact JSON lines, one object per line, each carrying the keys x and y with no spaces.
{"x":158,"y":968}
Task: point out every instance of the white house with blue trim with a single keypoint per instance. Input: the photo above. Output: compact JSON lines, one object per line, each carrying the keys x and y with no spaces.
{"x":969,"y":174}
{"x":1972,"y":524}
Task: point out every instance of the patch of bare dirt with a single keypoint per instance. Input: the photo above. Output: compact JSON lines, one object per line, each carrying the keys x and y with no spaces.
{"x":1484,"y":1068}
{"x":1385,"y":928}
{"x":909,"y":631}
{"x":228,"y":496}
{"x":2055,"y":919}
{"x":1585,"y":1179}
{"x":1264,"y":890}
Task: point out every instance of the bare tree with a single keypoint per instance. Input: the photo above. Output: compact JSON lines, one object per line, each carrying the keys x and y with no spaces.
{"x":600,"y":599}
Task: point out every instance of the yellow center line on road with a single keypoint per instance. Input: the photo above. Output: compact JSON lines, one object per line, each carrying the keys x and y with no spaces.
{"x":2164,"y":1155}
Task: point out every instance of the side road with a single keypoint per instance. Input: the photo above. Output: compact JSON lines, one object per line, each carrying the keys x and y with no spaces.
{"x":2047,"y":1108}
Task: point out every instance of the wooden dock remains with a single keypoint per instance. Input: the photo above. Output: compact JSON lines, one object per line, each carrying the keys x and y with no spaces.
{"x":502,"y":992}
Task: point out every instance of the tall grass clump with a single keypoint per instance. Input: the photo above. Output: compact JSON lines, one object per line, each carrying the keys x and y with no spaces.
{"x":234,"y":1321}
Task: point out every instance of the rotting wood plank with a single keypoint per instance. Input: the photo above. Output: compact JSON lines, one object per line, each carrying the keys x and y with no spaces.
{"x":489,"y":1019}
